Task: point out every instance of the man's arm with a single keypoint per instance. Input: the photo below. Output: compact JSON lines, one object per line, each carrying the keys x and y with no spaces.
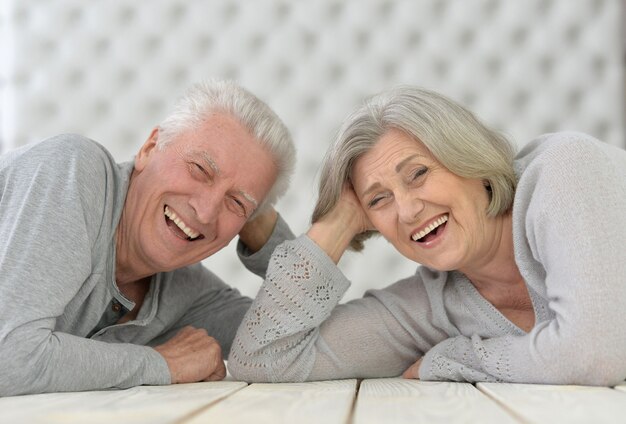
{"x":50,"y":216}
{"x":192,"y":355}
{"x":209,"y":304}
{"x":258,"y":239}
{"x":216,"y":307}
{"x":258,"y":231}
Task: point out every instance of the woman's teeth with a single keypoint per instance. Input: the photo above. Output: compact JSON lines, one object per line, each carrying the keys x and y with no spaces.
{"x":430,"y":228}
{"x":180,"y":224}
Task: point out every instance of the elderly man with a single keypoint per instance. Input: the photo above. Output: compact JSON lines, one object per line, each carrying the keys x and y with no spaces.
{"x":100,"y":280}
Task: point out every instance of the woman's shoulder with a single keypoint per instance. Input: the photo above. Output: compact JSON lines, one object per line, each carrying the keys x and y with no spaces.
{"x":564,"y":149}
{"x":556,"y":170}
{"x":560,"y":159}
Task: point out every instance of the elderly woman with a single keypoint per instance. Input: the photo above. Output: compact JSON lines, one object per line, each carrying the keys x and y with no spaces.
{"x":523,"y":264}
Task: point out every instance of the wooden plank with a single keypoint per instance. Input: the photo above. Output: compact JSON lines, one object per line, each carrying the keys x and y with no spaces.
{"x":397,"y":400}
{"x":537,"y":403}
{"x":143,"y":404}
{"x":325,"y":402}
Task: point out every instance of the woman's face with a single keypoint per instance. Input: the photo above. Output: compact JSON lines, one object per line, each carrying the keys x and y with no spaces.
{"x":430,"y":215}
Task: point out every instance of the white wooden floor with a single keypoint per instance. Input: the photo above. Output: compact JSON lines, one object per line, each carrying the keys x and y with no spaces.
{"x":342,"y":401}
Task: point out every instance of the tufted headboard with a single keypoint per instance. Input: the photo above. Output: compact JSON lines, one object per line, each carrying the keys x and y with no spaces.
{"x":111,"y":69}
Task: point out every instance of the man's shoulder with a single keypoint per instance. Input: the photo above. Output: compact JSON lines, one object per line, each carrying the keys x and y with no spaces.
{"x":65,"y":172}
{"x":61,"y":152}
{"x":71,"y":147}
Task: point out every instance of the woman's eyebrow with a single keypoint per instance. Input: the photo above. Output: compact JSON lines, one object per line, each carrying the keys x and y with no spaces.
{"x":371,"y":188}
{"x":406,"y":160}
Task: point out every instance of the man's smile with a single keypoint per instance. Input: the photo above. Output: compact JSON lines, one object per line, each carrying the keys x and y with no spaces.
{"x":179,"y":227}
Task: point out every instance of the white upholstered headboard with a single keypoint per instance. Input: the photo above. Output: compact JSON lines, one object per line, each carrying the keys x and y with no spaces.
{"x":110,"y":69}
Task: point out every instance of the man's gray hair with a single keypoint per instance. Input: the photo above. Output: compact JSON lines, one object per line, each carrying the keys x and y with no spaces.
{"x":452,"y":134}
{"x":214,"y":95}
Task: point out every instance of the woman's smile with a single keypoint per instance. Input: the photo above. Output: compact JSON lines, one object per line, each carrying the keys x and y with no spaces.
{"x":427,"y":235}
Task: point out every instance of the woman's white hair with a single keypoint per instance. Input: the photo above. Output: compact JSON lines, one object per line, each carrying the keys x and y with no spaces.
{"x":214,"y":95}
{"x":452,"y":134}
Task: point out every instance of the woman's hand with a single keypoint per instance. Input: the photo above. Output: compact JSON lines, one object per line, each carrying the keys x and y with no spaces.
{"x":335,"y":230}
{"x":414,"y":370}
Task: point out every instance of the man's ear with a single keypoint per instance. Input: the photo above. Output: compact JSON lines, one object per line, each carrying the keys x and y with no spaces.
{"x":143,"y":156}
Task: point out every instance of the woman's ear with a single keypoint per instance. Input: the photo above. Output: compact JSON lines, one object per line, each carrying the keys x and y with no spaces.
{"x":143,"y":156}
{"x":487,"y":185}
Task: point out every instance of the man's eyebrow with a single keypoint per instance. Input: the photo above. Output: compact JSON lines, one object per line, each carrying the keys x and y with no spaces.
{"x":406,"y":160}
{"x":206,"y":159}
{"x":249,"y":198}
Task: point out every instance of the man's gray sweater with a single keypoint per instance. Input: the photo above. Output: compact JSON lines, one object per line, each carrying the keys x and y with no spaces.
{"x":60,"y":203}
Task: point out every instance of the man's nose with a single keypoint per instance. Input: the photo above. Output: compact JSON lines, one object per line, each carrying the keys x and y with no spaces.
{"x":409,"y":207}
{"x":207,"y":205}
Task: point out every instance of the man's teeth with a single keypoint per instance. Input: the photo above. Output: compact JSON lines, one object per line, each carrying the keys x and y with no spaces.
{"x":180,"y":224}
{"x":430,"y":228}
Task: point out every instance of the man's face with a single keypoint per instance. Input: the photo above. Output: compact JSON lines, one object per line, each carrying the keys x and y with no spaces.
{"x":190,"y":198}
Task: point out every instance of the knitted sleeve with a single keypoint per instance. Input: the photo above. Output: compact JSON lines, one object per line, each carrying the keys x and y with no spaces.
{"x":256,"y":262}
{"x":571,"y":209}
{"x":295,"y":330}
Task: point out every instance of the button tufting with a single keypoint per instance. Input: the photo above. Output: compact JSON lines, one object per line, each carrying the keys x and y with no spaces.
{"x":112,"y":70}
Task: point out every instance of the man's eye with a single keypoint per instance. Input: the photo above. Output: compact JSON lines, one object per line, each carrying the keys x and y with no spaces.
{"x":237,"y":206}
{"x":198,"y":170}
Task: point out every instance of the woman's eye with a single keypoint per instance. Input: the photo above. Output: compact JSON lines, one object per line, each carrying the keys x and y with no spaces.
{"x":375,"y":201}
{"x":418,"y":173}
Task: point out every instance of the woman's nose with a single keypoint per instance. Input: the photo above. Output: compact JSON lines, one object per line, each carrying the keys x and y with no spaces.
{"x":409,"y":207}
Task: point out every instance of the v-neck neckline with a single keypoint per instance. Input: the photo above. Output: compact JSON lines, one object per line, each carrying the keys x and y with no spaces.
{"x":487,"y":311}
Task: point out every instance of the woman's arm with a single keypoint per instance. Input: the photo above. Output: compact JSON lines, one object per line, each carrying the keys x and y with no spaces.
{"x":295,"y":331}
